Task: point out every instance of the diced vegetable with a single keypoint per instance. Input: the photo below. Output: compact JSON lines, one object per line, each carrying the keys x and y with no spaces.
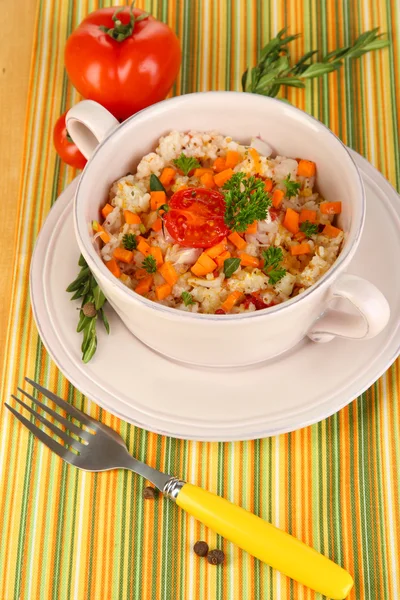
{"x":256,"y":158}
{"x":156,"y":252}
{"x":221,"y":178}
{"x":143,"y":246}
{"x":207,"y":179}
{"x":106,"y":210}
{"x":163,"y":290}
{"x":237,"y":240}
{"x":231,"y":300}
{"x":300,"y":236}
{"x":157,"y":225}
{"x":246,"y":260}
{"x":330,"y":208}
{"x":221,"y":259}
{"x":219,"y":164}
{"x":232,"y":159}
{"x":207,"y":263}
{"x":308,"y":215}
{"x":198,"y":270}
{"x":303,"y":248}
{"x":217,"y":249}
{"x":140,"y":273}
{"x":306,"y":168}
{"x":131,"y":218}
{"x":167,"y":176}
{"x":157,"y":199}
{"x":252,"y":229}
{"x":268,"y":184}
{"x":168,"y":272}
{"x":144,"y":285}
{"x":277,"y":198}
{"x":125,"y":256}
{"x":201,"y":171}
{"x":331,"y":231}
{"x":113,"y":267}
{"x":104,"y":235}
{"x":291,"y":221}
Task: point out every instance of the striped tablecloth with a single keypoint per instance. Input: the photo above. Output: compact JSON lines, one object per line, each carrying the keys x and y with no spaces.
{"x":68,"y":534}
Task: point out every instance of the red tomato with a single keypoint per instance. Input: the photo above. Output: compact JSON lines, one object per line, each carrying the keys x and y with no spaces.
{"x":196,"y":217}
{"x":257,"y":301}
{"x":126,"y":75}
{"x":66,"y":149}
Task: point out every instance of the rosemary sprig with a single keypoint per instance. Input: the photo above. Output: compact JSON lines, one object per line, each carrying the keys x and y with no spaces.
{"x":92,"y":308}
{"x":275,"y":67}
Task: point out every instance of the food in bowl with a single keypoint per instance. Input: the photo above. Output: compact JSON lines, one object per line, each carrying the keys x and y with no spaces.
{"x":209,"y":225}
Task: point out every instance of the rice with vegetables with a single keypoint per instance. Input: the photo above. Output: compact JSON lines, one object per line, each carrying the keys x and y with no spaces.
{"x":208,"y":225}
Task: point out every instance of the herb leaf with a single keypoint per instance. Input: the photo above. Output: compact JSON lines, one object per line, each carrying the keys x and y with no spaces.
{"x":99,"y":297}
{"x":155,"y":184}
{"x":292,"y":187}
{"x":129,"y":241}
{"x":246,"y":201}
{"x":309,"y":228}
{"x":272,"y":258}
{"x":149,"y":264}
{"x":187,"y":298}
{"x":230,"y":266}
{"x":186,"y":163}
{"x":276,"y":275}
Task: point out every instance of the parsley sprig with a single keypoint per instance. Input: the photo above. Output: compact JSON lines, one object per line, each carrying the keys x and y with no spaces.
{"x":246,"y":201}
{"x":129,"y":241}
{"x":273,"y":256}
{"x":275,"y":67}
{"x":187,"y":298}
{"x":186,"y":163}
{"x":149,"y":264}
{"x":309,"y":228}
{"x":292,"y":187}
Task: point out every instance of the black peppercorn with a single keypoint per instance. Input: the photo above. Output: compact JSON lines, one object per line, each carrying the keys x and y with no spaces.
{"x":149,"y":493}
{"x":89,"y":309}
{"x":201,"y":548}
{"x":216,"y":557}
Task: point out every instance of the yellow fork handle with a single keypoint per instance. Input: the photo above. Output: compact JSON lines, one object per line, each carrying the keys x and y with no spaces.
{"x":267,"y":543}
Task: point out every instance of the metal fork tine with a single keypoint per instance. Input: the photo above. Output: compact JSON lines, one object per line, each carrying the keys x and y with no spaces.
{"x":85,"y":435}
{"x":61,"y":434}
{"x":43,"y":437}
{"x":76,"y":413}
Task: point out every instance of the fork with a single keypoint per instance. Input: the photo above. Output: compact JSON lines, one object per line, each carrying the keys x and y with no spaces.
{"x":100,"y":448}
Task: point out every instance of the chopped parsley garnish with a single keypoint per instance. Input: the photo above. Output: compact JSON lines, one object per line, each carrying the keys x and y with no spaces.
{"x":187,"y":298}
{"x":292,"y":187}
{"x":149,"y":264}
{"x":230,"y":266}
{"x":273,"y":256}
{"x":129,"y":241}
{"x":186,"y":163}
{"x":246,"y":201}
{"x":309,"y":228}
{"x":155,"y":184}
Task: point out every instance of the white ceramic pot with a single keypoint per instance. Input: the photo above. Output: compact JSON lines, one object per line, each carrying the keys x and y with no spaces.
{"x":228,"y":340}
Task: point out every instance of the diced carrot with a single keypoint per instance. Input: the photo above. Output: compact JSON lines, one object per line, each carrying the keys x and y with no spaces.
{"x":140,"y":273}
{"x":113,"y":267}
{"x":157,"y":199}
{"x":104,"y":235}
{"x":144,"y":285}
{"x":125,"y":256}
{"x":143,"y":246}
{"x":256,"y":158}
{"x":277,"y":198}
{"x":306,"y":168}
{"x":308,"y":215}
{"x":268,"y":184}
{"x":291,"y":221}
{"x":201,"y":171}
{"x":330,"y":208}
{"x":219,"y":164}
{"x":163,"y":290}
{"x":222,"y":177}
{"x":168,"y":272}
{"x":303,"y":248}
{"x":131,"y":218}
{"x":217,"y":249}
{"x":156,"y":252}
{"x":222,"y":258}
{"x":246,"y":260}
{"x":231,"y":300}
{"x":251,"y":229}
{"x":106,"y":210}
{"x":198,"y":270}
{"x":167,"y":176}
{"x":300,"y":236}
{"x":208,"y":180}
{"x":232,"y":159}
{"x":207,"y":262}
{"x":331,"y":231}
{"x":157,"y":225}
{"x":237,"y":241}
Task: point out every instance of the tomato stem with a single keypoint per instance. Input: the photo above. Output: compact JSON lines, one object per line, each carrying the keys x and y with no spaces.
{"x":121,"y":31}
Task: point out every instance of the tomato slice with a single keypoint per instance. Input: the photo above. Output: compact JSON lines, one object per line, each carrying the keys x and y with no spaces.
{"x":196,"y":217}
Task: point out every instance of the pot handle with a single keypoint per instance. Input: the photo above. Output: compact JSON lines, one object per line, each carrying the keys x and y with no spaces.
{"x":371,"y":304}
{"x":88,"y":123}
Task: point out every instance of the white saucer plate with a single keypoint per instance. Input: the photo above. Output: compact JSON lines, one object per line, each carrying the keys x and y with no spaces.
{"x":128,"y":379}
